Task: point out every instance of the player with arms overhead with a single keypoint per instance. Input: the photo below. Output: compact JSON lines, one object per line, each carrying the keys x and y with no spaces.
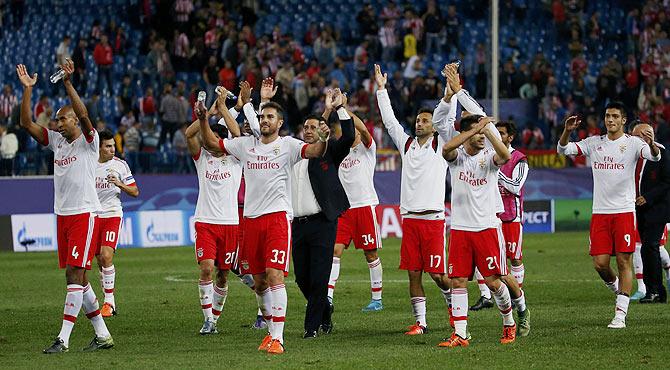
{"x":476,"y":238}
{"x":112,"y":176}
{"x":75,"y":147}
{"x":422,"y":187}
{"x":268,"y":210}
{"x":613,"y":158}
{"x":359,"y":223}
{"x":216,"y":216}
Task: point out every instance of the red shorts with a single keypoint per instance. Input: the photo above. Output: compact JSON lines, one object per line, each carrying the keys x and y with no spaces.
{"x":612,"y":233}
{"x":108,"y":232}
{"x":266,"y":243}
{"x":513,"y":234}
{"x":77,"y":235}
{"x":423,"y":246}
{"x":360,"y":225}
{"x":484,"y":249}
{"x":216,"y":242}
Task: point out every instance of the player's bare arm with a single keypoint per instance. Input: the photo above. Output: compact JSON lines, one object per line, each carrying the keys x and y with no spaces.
{"x":366,"y":138}
{"x":449,"y":150}
{"x":77,"y":105}
{"x":27,"y":81}
{"x":502,"y":155}
{"x":317,"y":149}
{"x":231,"y":123}
{"x":133,"y":191}
{"x":209,"y":140}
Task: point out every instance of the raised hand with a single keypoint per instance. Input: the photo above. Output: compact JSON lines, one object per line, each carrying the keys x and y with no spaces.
{"x":571,"y":123}
{"x":323,"y":131}
{"x":200,"y":110}
{"x":245,"y":93}
{"x":648,"y":136}
{"x":68,"y":68}
{"x":268,"y":89}
{"x":337,"y":98}
{"x":480,"y":126}
{"x":329,"y":100}
{"x":24,"y":77}
{"x":380,"y":78}
{"x":113,"y":180}
{"x":453,"y":79}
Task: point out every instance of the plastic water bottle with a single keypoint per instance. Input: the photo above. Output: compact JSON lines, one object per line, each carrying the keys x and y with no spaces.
{"x":202,"y":96}
{"x":57,"y":76}
{"x":229,"y":95}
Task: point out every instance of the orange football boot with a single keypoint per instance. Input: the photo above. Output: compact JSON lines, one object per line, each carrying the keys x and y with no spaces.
{"x":276,"y":348}
{"x":416,"y":329}
{"x":509,"y":334}
{"x":107,"y":310}
{"x":454,"y":341}
{"x":265,"y":344}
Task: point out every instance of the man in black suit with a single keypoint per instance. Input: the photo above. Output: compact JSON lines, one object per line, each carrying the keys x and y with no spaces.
{"x":318,"y":200}
{"x":653,"y":212}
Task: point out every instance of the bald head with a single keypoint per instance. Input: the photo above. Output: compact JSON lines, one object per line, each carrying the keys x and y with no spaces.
{"x":66,"y":111}
{"x":643,"y":129}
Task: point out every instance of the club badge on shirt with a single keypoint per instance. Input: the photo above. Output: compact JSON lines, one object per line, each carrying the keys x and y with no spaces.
{"x":622,"y":148}
{"x":482,"y":163}
{"x":276,"y":151}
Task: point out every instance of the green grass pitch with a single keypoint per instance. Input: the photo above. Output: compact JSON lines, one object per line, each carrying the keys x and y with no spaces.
{"x":159,"y":318}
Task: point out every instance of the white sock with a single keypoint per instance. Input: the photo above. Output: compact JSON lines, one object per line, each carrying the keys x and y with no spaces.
{"x":520,"y":302}
{"x":92,"y":310}
{"x":614,"y":285}
{"x":108,"y":276}
{"x":518,"y":272}
{"x":334,"y":275}
{"x":264,"y":300}
{"x":419,"y":310}
{"x":665,"y":258}
{"x":279,"y":303}
{"x":375,"y":278}
{"x":459,"y":311}
{"x":637,"y":268}
{"x":73,"y":301}
{"x":483,"y":289}
{"x":218,"y":300}
{"x":504,"y":303}
{"x":447,"y":294}
{"x":621,"y":308}
{"x":206,"y":288}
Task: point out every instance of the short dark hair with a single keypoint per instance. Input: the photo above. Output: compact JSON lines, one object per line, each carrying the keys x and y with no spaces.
{"x":220,"y":130}
{"x":617,"y":105}
{"x":424,"y":110}
{"x":316,"y":117}
{"x":277,"y":107}
{"x":468,"y":121}
{"x":105,"y":135}
{"x":509,"y":126}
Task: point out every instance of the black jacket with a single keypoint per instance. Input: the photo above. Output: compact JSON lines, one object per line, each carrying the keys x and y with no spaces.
{"x":323,"y":176}
{"x":655,"y":188}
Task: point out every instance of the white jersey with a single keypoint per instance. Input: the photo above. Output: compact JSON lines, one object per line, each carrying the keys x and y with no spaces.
{"x":74,"y":173}
{"x":218,"y":183}
{"x":474,"y":190}
{"x":267,"y":172}
{"x":108,"y":193}
{"x":613,"y":163}
{"x":424,"y":170}
{"x":356,"y":174}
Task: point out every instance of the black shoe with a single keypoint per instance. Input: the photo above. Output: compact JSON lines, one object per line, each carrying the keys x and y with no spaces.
{"x":56,"y":347}
{"x":327,"y":328}
{"x":309,"y":334}
{"x":482,"y":303}
{"x":651,"y":298}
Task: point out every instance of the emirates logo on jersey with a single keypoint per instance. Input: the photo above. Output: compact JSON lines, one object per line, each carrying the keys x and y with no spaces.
{"x":349,"y":162}
{"x":262,"y":163}
{"x":217,"y":175}
{"x":102,"y":183}
{"x":471,"y":178}
{"x":608,"y":163}
{"x":63,"y":162}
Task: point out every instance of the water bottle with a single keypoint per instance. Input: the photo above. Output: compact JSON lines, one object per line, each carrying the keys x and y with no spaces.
{"x":229,"y":95}
{"x":202,"y":96}
{"x":57,"y":76}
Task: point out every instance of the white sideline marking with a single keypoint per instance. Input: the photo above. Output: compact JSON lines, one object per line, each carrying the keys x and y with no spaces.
{"x":176,"y":279}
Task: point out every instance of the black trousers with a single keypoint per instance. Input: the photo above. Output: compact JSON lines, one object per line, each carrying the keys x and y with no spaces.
{"x":313,"y":241}
{"x":650,"y":233}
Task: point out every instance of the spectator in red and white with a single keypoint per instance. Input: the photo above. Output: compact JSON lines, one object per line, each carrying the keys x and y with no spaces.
{"x":532,"y":137}
{"x":104,"y":58}
{"x":311,"y":34}
{"x":578,"y":66}
{"x":361,"y":60}
{"x":389,"y":41}
{"x":432,"y":20}
{"x":325,"y":49}
{"x":8,"y":101}
{"x":591,"y":128}
{"x":227,"y":76}
{"x":63,"y":51}
{"x":212,"y":40}
{"x":414,"y":23}
{"x":147,"y":105}
{"x":181,"y":50}
{"x":390,"y":12}
{"x":41,"y":105}
{"x":96,"y":33}
{"x":247,"y":35}
{"x":9,"y":145}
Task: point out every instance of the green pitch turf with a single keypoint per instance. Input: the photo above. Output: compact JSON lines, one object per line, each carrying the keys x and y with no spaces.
{"x":159,"y":318}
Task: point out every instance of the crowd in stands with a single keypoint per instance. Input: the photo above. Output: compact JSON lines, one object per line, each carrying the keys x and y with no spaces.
{"x":188,"y":46}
